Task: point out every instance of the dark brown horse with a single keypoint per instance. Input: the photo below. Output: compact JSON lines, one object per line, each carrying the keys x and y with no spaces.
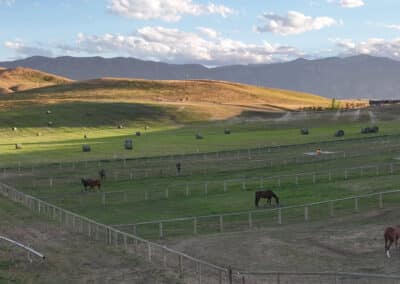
{"x":268,"y":194}
{"x":391,"y":234}
{"x":91,"y":183}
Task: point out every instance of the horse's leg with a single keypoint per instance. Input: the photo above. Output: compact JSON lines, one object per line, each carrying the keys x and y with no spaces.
{"x":388,"y":243}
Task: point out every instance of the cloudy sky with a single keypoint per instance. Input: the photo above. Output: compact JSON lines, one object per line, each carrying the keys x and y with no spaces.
{"x":210,"y":32}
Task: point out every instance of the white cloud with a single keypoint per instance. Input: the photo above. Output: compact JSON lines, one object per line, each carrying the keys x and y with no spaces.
{"x":351,"y":3}
{"x":348,"y":3}
{"x":373,"y":46}
{"x":7,"y":2}
{"x":393,"y":27}
{"x":24,"y":50}
{"x":293,"y":23}
{"x":175,"y":46}
{"x":211,"y":33}
{"x":170,"y":11}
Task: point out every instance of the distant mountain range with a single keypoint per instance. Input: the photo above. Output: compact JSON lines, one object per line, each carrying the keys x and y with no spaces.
{"x":359,"y":76}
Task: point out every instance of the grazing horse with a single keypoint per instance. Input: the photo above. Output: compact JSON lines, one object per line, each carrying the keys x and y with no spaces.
{"x":391,"y":234}
{"x":268,"y":194}
{"x":91,"y":183}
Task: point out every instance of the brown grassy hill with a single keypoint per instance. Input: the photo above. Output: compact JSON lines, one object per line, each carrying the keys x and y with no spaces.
{"x":20,"y":79}
{"x":217,"y":98}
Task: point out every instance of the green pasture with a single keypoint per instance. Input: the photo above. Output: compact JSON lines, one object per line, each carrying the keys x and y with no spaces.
{"x":171,"y":131}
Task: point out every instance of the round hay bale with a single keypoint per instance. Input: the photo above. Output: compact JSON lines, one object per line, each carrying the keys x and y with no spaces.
{"x":339,"y":133}
{"x":199,"y":136}
{"x":374,"y":129}
{"x":38,"y":134}
{"x":304,"y":131}
{"x":138,"y":133}
{"x":48,"y":112}
{"x":18,"y":146}
{"x":227,"y":131}
{"x":146,"y":127}
{"x":86,"y":148}
{"x":49,"y":123}
{"x":128,"y":144}
{"x":120,"y":126}
{"x":14,"y":129}
{"x":84,"y":136}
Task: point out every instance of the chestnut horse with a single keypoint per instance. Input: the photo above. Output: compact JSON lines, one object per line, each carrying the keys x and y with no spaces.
{"x":391,"y":234}
{"x":91,"y":183}
{"x":268,"y":194}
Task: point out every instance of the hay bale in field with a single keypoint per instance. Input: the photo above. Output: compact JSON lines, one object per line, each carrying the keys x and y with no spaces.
{"x":366,"y":130}
{"x":120,"y":126}
{"x":304,"y":131}
{"x":146,"y":127}
{"x":84,"y":136}
{"x":38,"y":134}
{"x":374,"y":129}
{"x":49,"y":123}
{"x":138,"y":133}
{"x":14,"y":129}
{"x":48,"y":112}
{"x":199,"y":136}
{"x":86,"y":148}
{"x":128,"y":144}
{"x":18,"y":146}
{"x":227,"y":131}
{"x":339,"y":133}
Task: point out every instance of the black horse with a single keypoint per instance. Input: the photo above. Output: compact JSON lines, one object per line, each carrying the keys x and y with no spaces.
{"x":268,"y":194}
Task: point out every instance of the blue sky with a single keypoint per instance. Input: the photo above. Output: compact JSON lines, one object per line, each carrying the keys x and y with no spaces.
{"x":212,"y":32}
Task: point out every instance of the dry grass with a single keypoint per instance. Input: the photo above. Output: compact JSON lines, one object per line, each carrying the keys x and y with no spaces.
{"x":20,"y":79}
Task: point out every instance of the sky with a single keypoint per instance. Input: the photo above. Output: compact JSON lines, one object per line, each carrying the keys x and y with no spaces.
{"x":208,"y":32}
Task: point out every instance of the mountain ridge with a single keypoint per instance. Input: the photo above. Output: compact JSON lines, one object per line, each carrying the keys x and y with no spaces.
{"x":360,"y":76}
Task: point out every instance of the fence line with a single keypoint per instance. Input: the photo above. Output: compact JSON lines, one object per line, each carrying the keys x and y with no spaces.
{"x":27,"y":248}
{"x":313,"y":277}
{"x":247,"y":219}
{"x":251,"y":155}
{"x":188,"y":268}
{"x":207,"y":187}
{"x":185,"y":266}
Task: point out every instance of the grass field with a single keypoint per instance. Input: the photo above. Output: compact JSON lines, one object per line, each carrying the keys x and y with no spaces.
{"x":264,"y":142}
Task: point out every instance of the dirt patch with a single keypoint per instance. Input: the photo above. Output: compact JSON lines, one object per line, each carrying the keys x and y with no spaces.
{"x":353,"y":244}
{"x":70,"y":258}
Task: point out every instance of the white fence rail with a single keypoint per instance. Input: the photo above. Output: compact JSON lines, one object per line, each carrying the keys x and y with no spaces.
{"x":248,"y":220}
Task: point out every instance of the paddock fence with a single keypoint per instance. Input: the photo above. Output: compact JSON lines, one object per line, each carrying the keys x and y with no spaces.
{"x":204,"y":163}
{"x":260,"y":218}
{"x":327,"y":277}
{"x":187,"y":268}
{"x":207,"y":189}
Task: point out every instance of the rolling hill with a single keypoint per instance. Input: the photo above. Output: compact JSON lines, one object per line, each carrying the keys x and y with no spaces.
{"x":211,"y":99}
{"x":20,"y":79}
{"x":359,"y":76}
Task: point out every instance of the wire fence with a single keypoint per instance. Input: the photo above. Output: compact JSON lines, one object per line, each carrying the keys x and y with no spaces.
{"x":207,"y":189}
{"x":187,"y":268}
{"x":249,"y":220}
{"x":124,"y":169}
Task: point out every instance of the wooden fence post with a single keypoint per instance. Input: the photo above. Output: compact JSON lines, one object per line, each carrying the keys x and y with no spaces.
{"x":391,"y":168}
{"x":187,"y":190}
{"x":331,"y":209}
{"x":356,"y":204}
{"x":306,"y":213}
{"x":250,"y":220}
{"x":297,"y":179}
{"x":180,"y":267}
{"x":380,"y":200}
{"x":206,"y":189}
{"x":221,"y":223}
{"x":280,"y":216}
{"x":161,"y":230}
{"x":195,"y":225}
{"x":345,"y":173}
{"x":244,"y":184}
{"x":166,"y":193}
{"x":314,"y":178}
{"x":149,"y":251}
{"x":329,"y":176}
{"x":225,"y":188}
{"x":103,"y":198}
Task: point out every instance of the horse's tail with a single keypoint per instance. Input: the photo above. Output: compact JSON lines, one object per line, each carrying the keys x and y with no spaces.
{"x":257,"y":199}
{"x":276,"y":198}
